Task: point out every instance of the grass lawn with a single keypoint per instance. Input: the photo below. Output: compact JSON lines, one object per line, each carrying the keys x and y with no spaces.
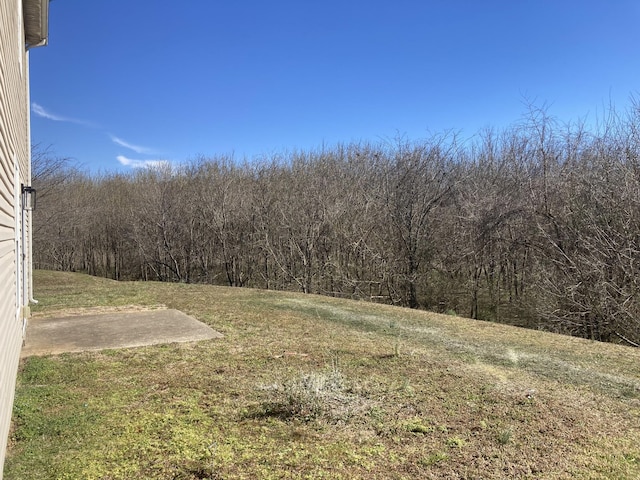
{"x":304,"y":386}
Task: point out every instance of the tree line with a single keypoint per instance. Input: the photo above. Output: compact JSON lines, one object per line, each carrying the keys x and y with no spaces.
{"x":536,"y":225}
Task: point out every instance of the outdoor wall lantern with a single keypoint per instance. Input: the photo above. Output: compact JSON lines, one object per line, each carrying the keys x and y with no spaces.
{"x":28,"y":198}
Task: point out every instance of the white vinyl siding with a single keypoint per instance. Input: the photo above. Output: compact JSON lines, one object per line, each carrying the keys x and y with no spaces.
{"x":14,"y":170}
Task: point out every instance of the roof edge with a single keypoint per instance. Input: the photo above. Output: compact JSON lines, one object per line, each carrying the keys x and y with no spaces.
{"x":36,"y":22}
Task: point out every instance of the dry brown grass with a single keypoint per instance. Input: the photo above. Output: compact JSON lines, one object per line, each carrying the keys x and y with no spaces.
{"x":312,"y":387}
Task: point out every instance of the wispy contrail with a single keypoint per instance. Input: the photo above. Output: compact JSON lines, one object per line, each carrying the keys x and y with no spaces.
{"x":136,"y":148}
{"x":40,"y":111}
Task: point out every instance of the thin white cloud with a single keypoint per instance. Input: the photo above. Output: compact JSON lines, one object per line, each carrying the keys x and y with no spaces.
{"x":40,"y":111}
{"x":130,"y":162}
{"x":136,"y":148}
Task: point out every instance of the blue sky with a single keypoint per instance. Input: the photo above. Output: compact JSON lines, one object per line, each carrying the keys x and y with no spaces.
{"x":125,"y":83}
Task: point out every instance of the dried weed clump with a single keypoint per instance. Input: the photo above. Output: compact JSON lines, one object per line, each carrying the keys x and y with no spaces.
{"x":313,"y":395}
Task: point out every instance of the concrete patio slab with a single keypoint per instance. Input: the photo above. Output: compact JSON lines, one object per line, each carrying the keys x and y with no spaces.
{"x":118,"y":329}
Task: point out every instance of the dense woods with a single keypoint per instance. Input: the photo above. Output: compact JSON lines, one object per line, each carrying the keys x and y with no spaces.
{"x":537,"y":225}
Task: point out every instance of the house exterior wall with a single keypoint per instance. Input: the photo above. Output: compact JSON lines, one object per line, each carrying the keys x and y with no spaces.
{"x":14,"y":171}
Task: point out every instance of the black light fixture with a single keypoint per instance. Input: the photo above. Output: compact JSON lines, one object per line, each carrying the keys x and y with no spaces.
{"x":28,"y":198}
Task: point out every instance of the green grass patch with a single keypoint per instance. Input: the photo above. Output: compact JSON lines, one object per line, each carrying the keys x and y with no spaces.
{"x":303,"y":386}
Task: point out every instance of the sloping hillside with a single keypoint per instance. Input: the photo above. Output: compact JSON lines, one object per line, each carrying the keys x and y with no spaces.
{"x":304,"y":386}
